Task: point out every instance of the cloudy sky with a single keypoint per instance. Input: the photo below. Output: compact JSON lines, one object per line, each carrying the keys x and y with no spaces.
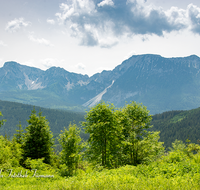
{"x":88,"y":36}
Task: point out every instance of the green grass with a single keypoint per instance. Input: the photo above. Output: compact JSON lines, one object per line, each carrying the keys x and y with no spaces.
{"x":158,"y":175}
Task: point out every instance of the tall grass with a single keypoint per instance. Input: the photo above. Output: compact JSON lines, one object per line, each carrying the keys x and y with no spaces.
{"x":158,"y":175}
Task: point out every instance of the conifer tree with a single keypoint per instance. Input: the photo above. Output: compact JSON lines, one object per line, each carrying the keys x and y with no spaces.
{"x":38,"y":140}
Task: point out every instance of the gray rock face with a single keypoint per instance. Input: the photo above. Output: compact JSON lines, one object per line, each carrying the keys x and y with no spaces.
{"x":159,"y":83}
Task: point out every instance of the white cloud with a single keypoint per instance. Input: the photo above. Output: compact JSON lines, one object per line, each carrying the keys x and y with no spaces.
{"x":50,"y":62}
{"x":16,"y":24}
{"x":2,"y":43}
{"x":97,"y":25}
{"x":75,"y":8}
{"x":50,"y":21}
{"x":30,"y":63}
{"x":43,"y":64}
{"x":194,"y":16}
{"x":80,"y":66}
{"x":106,"y":2}
{"x":108,"y":42}
{"x":40,"y":40}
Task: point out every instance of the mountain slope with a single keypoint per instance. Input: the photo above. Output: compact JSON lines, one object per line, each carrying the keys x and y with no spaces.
{"x":14,"y":112}
{"x":161,"y":84}
{"x":181,"y":125}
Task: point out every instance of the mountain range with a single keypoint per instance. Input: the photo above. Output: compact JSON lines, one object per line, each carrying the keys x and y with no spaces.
{"x":161,"y":84}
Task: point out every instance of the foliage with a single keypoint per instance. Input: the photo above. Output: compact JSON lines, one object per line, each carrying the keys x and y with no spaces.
{"x":104,"y":132}
{"x":118,"y":136}
{"x":157,"y":175}
{"x":138,"y":143}
{"x":38,"y":140}
{"x":70,"y":141}
{"x":10,"y":153}
{"x":36,"y":164}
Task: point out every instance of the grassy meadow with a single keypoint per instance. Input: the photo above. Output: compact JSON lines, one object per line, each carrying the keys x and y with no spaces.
{"x":169,"y":172}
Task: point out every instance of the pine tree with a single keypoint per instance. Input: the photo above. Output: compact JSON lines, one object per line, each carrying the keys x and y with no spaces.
{"x":38,"y":140}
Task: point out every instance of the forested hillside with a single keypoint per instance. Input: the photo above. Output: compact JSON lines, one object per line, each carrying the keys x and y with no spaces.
{"x":120,"y":154}
{"x":181,"y":125}
{"x":17,"y":112}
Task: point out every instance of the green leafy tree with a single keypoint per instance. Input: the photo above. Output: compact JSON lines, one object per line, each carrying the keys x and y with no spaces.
{"x":120,"y":136}
{"x":70,"y":141}
{"x":38,"y":140}
{"x":10,"y":153}
{"x":149,"y":148}
{"x":101,"y":124}
{"x":135,"y":119}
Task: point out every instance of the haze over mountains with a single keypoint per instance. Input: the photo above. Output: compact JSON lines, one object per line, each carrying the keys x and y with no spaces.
{"x":159,"y":83}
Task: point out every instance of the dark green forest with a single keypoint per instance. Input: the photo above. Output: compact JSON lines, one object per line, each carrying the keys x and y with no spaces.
{"x":16,"y":112}
{"x":181,"y":125}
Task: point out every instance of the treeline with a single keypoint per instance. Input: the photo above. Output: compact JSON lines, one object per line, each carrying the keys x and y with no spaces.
{"x":117,"y":137}
{"x":172,"y":125}
{"x":181,"y":125}
{"x":16,"y":112}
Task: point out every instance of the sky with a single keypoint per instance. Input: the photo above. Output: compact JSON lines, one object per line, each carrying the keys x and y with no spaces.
{"x":88,"y":36}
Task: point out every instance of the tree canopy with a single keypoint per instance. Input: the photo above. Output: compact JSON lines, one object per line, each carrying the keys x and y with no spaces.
{"x":119,"y":136}
{"x":70,"y":141}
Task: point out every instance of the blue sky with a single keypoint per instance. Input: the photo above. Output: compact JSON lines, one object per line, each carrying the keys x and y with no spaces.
{"x":87,"y":36}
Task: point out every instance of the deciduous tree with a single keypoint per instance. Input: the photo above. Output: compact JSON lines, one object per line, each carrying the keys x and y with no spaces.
{"x":70,"y":141}
{"x":101,"y":124}
{"x":120,"y":136}
{"x":134,"y":118}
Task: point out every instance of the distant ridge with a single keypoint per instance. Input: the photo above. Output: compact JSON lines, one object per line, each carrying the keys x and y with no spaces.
{"x":161,"y":84}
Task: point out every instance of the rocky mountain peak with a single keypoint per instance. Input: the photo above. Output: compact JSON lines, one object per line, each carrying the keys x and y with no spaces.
{"x":159,"y":83}
{"x":10,"y":64}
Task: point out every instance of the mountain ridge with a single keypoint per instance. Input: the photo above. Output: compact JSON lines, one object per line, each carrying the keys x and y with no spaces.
{"x":161,"y":84}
